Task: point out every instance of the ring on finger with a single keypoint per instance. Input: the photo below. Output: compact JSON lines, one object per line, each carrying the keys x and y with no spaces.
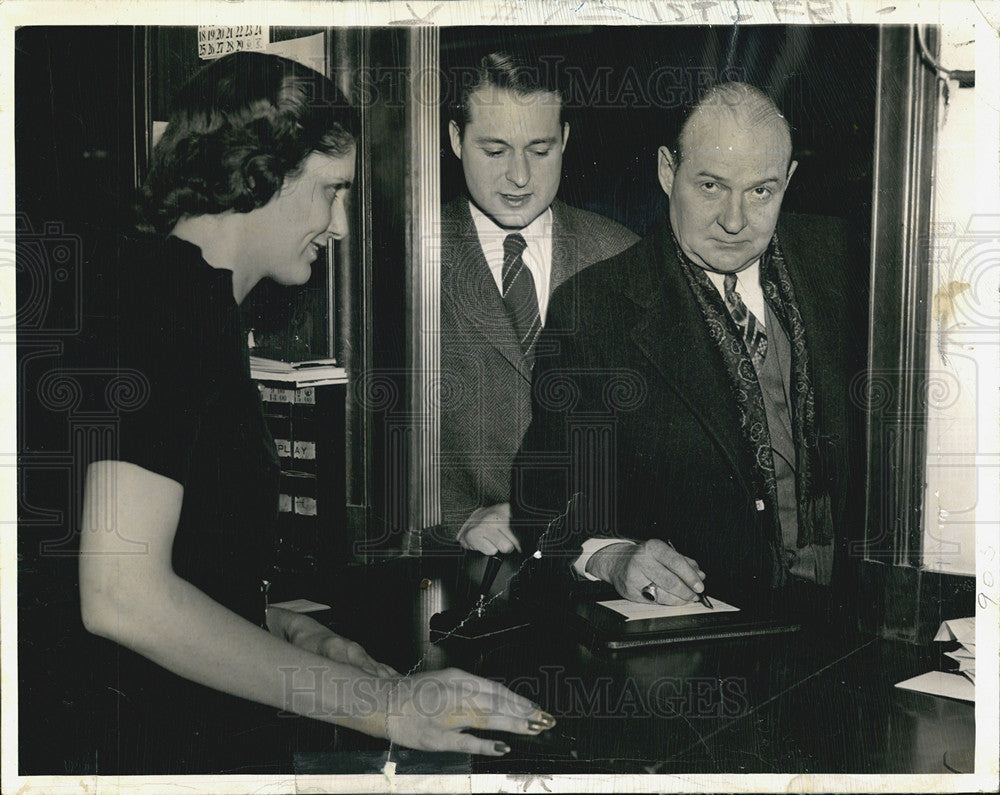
{"x":649,"y":592}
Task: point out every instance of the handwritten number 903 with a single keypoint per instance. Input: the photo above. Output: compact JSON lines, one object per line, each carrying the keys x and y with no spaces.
{"x":990,"y":554}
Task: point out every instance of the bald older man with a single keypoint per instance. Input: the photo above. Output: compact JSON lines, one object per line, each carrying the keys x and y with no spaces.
{"x":691,"y":437}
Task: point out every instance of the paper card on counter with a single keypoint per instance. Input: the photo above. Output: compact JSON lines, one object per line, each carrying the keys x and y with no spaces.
{"x":300,"y":606}
{"x":961,"y":629}
{"x":938,"y":683}
{"x":633,"y":611}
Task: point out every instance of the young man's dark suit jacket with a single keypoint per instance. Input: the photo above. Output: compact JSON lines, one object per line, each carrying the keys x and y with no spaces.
{"x":486,"y":382}
{"x":636,"y":412}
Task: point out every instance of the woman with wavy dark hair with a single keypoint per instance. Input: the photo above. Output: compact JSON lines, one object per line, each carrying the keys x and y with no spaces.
{"x":249,"y":181}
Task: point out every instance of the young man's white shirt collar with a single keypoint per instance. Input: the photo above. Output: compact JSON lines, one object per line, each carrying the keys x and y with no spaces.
{"x":537,"y":255}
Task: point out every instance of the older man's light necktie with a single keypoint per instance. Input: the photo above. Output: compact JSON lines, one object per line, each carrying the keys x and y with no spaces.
{"x":754,"y":336}
{"x":518,"y":291}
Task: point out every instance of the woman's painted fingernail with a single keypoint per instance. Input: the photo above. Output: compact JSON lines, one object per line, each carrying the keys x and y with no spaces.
{"x":548,"y":720}
{"x":536,"y":725}
{"x":501,"y":748}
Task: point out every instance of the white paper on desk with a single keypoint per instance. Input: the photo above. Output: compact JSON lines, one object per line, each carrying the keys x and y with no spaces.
{"x":938,"y":683}
{"x":961,"y":653}
{"x":300,"y":606}
{"x":961,"y":629}
{"x":633,"y":611}
{"x":966,"y":662}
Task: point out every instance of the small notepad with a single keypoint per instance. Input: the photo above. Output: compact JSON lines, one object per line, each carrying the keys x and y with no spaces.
{"x":634,"y":611}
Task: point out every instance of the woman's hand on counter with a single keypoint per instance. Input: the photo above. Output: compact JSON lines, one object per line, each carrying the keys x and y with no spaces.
{"x":431,"y":711}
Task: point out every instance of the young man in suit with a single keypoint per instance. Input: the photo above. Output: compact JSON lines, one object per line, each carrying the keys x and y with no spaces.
{"x":505,"y":248}
{"x":706,"y":442}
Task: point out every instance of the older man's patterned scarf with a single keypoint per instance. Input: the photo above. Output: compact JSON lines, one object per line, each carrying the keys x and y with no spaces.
{"x":814,"y":518}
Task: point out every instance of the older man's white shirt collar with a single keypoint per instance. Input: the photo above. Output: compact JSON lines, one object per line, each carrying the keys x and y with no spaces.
{"x":537,"y":255}
{"x":748,"y":286}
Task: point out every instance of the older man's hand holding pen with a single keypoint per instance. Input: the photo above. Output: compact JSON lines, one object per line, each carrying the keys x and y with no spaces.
{"x":653,"y":566}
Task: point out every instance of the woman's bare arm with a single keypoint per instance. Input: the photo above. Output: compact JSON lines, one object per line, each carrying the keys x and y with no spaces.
{"x":308,"y":634}
{"x":130,"y":594}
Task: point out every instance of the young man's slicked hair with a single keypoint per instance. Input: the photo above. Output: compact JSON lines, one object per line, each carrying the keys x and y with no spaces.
{"x":506,"y":71}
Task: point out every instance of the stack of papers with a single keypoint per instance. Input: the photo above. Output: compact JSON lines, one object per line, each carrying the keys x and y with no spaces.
{"x":961,"y":684}
{"x":314,"y":372}
{"x":964,"y":631}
